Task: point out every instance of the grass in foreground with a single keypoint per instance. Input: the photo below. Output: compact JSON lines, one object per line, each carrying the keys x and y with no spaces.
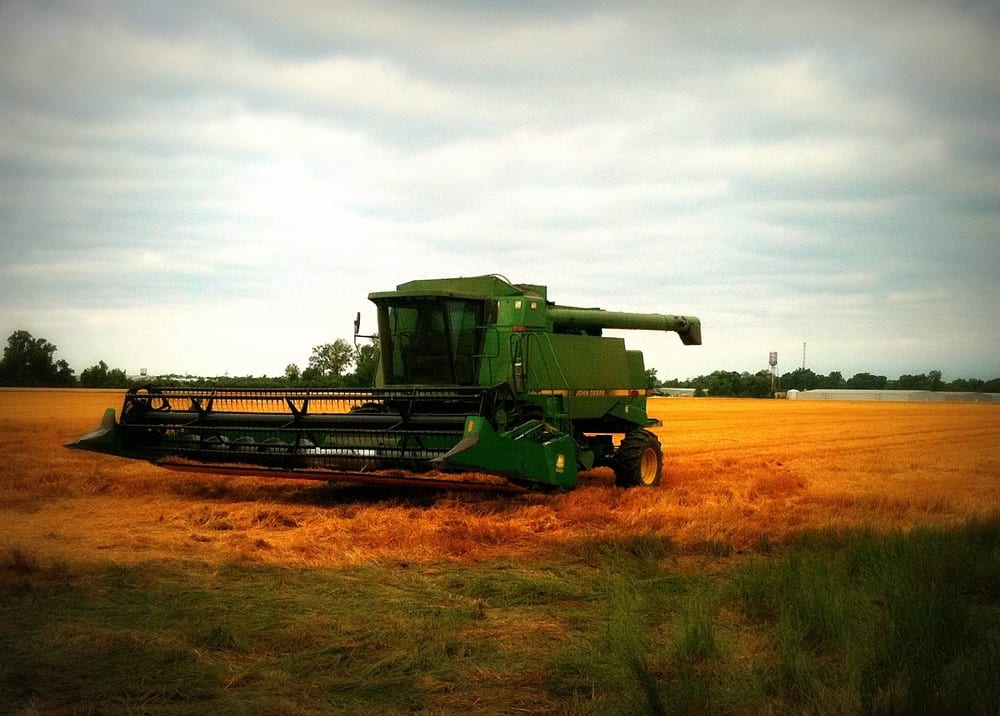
{"x":852,"y":622}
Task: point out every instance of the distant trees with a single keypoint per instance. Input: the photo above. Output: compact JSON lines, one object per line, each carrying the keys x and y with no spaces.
{"x":329,"y":362}
{"x":806,"y":379}
{"x":28,"y":361}
{"x":758,"y":385}
{"x":975,"y":385}
{"x":365,"y":364}
{"x":928,"y":381}
{"x":100,"y":376}
{"x":867,"y":381}
{"x":730,"y":384}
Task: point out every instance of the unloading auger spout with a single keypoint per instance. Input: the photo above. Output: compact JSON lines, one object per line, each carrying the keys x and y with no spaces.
{"x":565,"y":319}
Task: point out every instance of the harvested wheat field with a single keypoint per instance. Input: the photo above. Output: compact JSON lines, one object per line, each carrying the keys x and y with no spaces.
{"x":737,"y":473}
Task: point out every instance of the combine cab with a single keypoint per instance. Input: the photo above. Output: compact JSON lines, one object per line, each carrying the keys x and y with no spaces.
{"x":481,"y":383}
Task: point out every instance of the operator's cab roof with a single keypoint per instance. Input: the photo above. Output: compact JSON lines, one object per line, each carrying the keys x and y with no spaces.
{"x":471,"y":287}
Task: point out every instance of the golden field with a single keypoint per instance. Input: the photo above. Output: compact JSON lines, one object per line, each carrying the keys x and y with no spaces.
{"x":737,"y":473}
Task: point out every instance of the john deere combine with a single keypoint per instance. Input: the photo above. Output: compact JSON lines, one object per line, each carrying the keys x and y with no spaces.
{"x":476,"y":376}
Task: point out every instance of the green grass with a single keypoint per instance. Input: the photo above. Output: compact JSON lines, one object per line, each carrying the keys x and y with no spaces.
{"x":845,"y":623}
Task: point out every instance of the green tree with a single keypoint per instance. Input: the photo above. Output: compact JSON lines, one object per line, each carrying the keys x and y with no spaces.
{"x":800,"y":379}
{"x":867,"y":381}
{"x":973,"y":385}
{"x":756,"y":385}
{"x":366,"y":363}
{"x":99,"y":376}
{"x":292,"y":372}
{"x":921,"y":381}
{"x":329,"y":362}
{"x":834,"y":381}
{"x":719,"y":384}
{"x":27,"y":361}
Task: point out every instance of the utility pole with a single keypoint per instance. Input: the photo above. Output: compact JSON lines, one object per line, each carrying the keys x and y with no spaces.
{"x":803,"y":355}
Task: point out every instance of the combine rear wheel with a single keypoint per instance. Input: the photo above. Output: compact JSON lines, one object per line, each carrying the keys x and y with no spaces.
{"x":638,"y":461}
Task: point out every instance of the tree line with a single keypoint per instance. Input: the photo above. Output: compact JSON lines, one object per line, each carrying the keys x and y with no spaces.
{"x":723,"y":383}
{"x":30,"y":362}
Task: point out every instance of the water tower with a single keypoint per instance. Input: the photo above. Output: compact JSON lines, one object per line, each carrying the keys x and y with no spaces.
{"x":772,"y":360}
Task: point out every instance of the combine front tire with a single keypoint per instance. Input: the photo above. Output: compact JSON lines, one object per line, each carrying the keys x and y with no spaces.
{"x":638,"y":461}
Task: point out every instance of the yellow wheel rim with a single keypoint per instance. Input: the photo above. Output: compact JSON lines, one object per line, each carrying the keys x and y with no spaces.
{"x":648,"y":467}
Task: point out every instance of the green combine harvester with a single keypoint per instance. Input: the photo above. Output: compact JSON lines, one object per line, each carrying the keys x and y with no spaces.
{"x":480,"y":383}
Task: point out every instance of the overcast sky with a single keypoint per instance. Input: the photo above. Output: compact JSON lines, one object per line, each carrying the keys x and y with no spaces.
{"x":216,"y":187}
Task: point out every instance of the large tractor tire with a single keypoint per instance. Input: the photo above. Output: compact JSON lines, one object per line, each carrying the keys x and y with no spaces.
{"x":638,"y":461}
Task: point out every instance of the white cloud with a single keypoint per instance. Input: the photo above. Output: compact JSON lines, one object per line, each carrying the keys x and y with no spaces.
{"x":828,"y":173}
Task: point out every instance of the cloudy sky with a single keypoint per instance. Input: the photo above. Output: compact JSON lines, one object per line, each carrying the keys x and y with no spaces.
{"x":216,"y":187}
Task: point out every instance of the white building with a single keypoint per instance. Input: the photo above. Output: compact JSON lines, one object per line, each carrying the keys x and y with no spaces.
{"x":905,"y":396}
{"x":676,"y":392}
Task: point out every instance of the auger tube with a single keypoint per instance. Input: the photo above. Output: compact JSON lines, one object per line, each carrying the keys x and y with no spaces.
{"x":565,"y":319}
